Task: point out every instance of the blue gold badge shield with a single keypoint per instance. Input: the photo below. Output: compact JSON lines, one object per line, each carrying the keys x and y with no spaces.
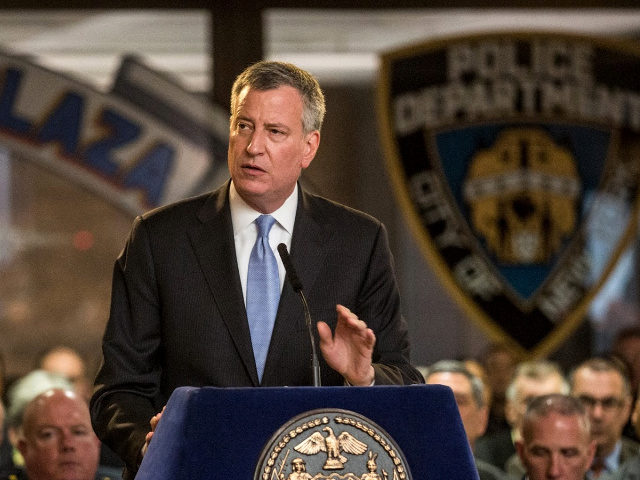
{"x":507,"y":151}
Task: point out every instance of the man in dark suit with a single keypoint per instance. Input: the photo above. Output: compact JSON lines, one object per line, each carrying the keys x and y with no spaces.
{"x":603,"y":386}
{"x":556,"y":441}
{"x":178,"y":314}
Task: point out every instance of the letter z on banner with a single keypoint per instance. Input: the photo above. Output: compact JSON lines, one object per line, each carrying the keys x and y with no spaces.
{"x":509,"y":151}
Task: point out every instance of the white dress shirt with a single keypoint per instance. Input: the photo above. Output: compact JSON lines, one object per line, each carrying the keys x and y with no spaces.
{"x":245,"y":231}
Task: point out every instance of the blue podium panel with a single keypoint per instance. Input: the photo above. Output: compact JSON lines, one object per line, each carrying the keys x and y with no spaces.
{"x":215,"y":433}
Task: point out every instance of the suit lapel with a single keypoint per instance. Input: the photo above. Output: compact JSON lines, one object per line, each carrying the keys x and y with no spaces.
{"x":217,"y":257}
{"x":308,"y":251}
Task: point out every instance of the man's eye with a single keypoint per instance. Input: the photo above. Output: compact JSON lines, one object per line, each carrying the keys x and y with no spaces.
{"x":538,"y":452}
{"x":45,"y":434}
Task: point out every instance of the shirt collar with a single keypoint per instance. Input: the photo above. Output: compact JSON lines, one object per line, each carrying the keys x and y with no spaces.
{"x":242,"y":215}
{"x":612,"y":461}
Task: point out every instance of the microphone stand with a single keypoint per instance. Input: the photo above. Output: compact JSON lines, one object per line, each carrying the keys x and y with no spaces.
{"x":315,"y":363}
{"x":295,"y":282}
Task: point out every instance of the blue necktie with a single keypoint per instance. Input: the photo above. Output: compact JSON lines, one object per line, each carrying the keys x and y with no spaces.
{"x":263,"y":292}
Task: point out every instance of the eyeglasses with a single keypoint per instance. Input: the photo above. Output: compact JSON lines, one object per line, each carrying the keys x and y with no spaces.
{"x":607,"y":403}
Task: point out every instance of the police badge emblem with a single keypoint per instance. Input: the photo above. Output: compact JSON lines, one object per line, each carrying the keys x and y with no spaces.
{"x":331,"y":444}
{"x":507,"y":152}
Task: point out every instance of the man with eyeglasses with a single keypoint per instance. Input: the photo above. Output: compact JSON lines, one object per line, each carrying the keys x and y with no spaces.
{"x":602,"y":386}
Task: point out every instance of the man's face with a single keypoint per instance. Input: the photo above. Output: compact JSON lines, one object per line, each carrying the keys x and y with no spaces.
{"x":603,"y":395}
{"x":68,"y":364}
{"x":267,"y":146}
{"x":526,"y":390}
{"x":557,"y":448}
{"x":474,"y":417}
{"x":59,"y":443}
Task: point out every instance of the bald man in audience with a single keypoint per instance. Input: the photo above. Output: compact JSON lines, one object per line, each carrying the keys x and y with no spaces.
{"x":57,"y":441}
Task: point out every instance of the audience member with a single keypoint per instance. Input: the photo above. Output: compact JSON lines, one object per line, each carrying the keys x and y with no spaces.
{"x":56,"y":439}
{"x":21,"y":392}
{"x":602,"y":385}
{"x":69,"y":363}
{"x":468,"y":391}
{"x":630,"y":469}
{"x":530,"y":379}
{"x":476,"y":368}
{"x":555,"y":441}
{"x":626,"y":346}
{"x":499,"y":362}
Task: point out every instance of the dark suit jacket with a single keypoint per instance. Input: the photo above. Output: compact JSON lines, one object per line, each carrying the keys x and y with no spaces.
{"x":178,"y":316}
{"x":495,"y":448}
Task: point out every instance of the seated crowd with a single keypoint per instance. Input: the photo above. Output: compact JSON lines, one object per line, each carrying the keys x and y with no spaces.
{"x":547,"y":424}
{"x":524,"y":420}
{"x":47,"y":432}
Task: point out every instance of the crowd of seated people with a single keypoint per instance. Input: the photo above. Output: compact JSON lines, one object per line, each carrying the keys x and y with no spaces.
{"x":602,"y":386}
{"x":508,"y":433}
{"x":46,"y":428}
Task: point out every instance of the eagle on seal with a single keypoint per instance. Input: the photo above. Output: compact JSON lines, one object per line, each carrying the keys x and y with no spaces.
{"x":333,"y":446}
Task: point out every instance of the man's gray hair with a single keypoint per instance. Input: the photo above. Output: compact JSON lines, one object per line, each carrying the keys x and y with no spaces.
{"x":539,"y":370}
{"x":268,"y":75}
{"x":27,"y":388}
{"x":456,"y":366}
{"x":605,"y":364}
{"x":544,"y":405}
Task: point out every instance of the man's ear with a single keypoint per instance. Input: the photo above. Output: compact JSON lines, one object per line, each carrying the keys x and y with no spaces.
{"x":510,"y":412}
{"x":311,"y":144}
{"x":519,"y":444}
{"x":22,"y":446}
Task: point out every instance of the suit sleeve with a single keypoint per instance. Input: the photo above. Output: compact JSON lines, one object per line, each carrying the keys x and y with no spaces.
{"x":379,"y":306}
{"x":127,"y":386}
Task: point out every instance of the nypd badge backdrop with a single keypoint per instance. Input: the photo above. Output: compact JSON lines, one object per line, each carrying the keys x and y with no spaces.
{"x":507,"y":151}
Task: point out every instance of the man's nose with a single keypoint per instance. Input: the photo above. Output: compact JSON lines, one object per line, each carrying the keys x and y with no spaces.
{"x":256,"y":143}
{"x":555,"y":466}
{"x":67,"y":441}
{"x":597,"y":411}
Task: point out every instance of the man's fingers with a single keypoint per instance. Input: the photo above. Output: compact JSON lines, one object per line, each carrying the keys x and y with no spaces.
{"x":324,"y":332}
{"x":350,"y":318}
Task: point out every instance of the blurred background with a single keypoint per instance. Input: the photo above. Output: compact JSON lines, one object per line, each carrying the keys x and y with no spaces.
{"x":59,"y":238}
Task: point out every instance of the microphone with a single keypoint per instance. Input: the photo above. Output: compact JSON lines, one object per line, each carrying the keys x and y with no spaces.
{"x":295,"y":282}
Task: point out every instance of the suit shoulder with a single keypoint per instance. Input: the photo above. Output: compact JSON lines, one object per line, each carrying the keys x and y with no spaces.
{"x":178,"y":208}
{"x":332,"y":211}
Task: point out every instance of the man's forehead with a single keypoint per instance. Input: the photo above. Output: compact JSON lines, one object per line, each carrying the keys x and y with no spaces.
{"x":287,"y":89}
{"x":457,"y":381}
{"x":560,"y":431}
{"x":587,"y":379}
{"x":539,"y":386}
{"x":63,"y":409}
